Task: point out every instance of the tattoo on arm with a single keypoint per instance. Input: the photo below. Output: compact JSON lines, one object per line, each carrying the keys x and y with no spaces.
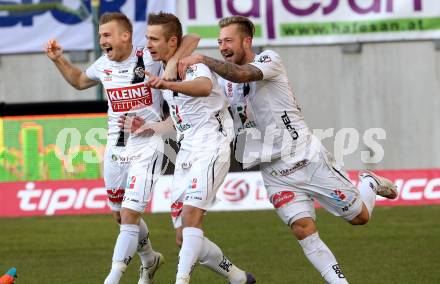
{"x":233,"y":72}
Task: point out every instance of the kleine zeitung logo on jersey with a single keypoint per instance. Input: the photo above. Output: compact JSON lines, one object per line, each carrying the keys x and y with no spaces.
{"x":129,"y":98}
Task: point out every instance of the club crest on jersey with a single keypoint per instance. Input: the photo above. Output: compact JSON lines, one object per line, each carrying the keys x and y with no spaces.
{"x":264,"y":59}
{"x":139,"y":71}
{"x":139,"y":53}
{"x":191,"y":69}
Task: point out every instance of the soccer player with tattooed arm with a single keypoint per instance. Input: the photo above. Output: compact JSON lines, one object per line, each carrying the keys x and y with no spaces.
{"x":297,"y":169}
{"x":132,"y":162}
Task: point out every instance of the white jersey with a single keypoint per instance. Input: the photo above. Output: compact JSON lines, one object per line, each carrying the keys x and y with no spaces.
{"x":126,"y":91}
{"x":268,"y":122}
{"x":201,"y":122}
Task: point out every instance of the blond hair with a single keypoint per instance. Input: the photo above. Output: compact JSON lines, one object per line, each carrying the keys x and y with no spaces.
{"x":245,"y":26}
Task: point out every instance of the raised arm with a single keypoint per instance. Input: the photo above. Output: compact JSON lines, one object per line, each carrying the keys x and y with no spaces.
{"x":187,"y":46}
{"x":199,"y":87}
{"x":73,"y":75}
{"x":230,"y":71}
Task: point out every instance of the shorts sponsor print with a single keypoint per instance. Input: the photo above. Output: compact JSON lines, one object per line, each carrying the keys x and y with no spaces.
{"x":303,"y":182}
{"x":130,"y":174}
{"x":197,"y":178}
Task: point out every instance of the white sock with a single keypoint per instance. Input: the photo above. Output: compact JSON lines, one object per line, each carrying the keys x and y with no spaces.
{"x":118,"y":268}
{"x":144,"y":249}
{"x":212,"y":257}
{"x":368,"y":194}
{"x":322,"y":259}
{"x":189,"y":252}
{"x":124,"y":249}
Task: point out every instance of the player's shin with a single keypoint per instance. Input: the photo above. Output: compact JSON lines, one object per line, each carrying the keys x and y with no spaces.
{"x":322,"y":259}
{"x":144,"y":248}
{"x":124,"y":250}
{"x":212,"y":257}
{"x":189,"y":253}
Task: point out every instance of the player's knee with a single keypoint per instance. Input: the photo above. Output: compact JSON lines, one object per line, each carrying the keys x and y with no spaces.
{"x":192,"y":216}
{"x":179,"y":241}
{"x":303,"y":228}
{"x":361,"y":219}
{"x":129,"y":216}
{"x":116,"y":216}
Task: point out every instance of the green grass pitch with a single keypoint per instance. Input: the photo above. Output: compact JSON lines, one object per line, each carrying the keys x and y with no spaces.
{"x":399,"y":245}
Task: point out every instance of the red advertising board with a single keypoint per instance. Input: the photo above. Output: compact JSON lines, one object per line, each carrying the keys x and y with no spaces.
{"x":53,"y":198}
{"x":70,"y":197}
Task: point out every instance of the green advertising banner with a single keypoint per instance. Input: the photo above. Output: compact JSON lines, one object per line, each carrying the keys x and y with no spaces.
{"x":305,"y":22}
{"x":52,"y":147}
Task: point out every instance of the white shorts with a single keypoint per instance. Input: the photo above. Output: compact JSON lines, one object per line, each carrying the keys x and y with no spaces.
{"x":197,"y":178}
{"x":130,"y":174}
{"x":292,"y":188}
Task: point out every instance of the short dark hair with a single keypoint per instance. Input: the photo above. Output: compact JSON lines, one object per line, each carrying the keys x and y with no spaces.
{"x":121,"y":18}
{"x":171,"y":24}
{"x":245,"y":26}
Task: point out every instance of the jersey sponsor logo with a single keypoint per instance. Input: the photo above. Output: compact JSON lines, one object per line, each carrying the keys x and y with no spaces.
{"x":125,"y":159}
{"x":264,"y":59}
{"x":242,"y":113}
{"x":236,"y":190}
{"x":280,"y":199}
{"x":177,"y":118}
{"x":129,"y":98}
{"x":288,"y":171}
{"x":286,"y":120}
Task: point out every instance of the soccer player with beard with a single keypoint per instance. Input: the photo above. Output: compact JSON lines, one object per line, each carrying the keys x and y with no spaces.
{"x":200,"y":115}
{"x":132,"y":163}
{"x":297,"y":169}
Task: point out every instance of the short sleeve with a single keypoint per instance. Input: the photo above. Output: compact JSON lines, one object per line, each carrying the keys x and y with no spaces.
{"x":92,"y":72}
{"x":269,"y":63}
{"x":198,"y":70}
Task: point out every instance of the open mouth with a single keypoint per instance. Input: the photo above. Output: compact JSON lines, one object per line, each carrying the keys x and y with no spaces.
{"x":227,"y":55}
{"x":108,"y":49}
